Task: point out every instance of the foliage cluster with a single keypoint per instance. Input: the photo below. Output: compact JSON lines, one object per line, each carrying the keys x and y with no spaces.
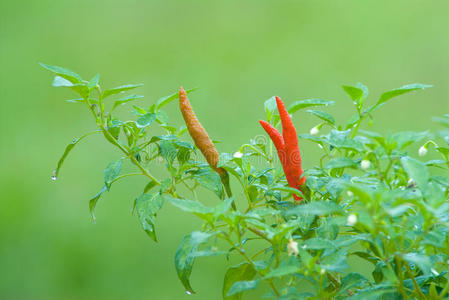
{"x":369,"y":202}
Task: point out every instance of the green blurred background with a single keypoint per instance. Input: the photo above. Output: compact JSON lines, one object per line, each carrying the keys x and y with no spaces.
{"x":239,"y":53}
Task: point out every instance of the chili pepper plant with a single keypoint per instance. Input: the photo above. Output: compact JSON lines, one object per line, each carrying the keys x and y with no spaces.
{"x":372,"y":200}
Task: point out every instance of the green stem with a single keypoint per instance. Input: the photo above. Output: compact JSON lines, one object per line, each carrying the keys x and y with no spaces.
{"x":415,"y":284}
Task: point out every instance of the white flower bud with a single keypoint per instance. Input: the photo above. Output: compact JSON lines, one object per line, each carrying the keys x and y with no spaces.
{"x":314,"y":130}
{"x":422,"y":151}
{"x":365,"y":164}
{"x":352,"y":220}
{"x":238,"y":154}
{"x":292,"y":248}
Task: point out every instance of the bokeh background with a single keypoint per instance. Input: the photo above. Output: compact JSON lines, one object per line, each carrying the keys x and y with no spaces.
{"x":239,"y":53}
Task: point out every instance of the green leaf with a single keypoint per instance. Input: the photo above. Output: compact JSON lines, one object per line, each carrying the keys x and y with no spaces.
{"x":270,"y":108}
{"x":67,"y":151}
{"x":357,"y":93}
{"x":209,"y":179}
{"x":93,"y":201}
{"x":64,"y":73}
{"x":145,"y":120}
{"x":168,"y":151}
{"x":308,"y":103}
{"x":241,"y":286}
{"x":316,"y":208}
{"x":288,"y":190}
{"x":420,"y":260}
{"x":147,"y":205}
{"x":184,"y":261}
{"x":241,"y":272}
{"x":322,"y":115}
{"x":340,"y":139}
{"x":340,"y":162}
{"x":59,"y":81}
{"x":223,"y":207}
{"x":282,"y":271}
{"x":190,"y":206}
{"x":352,"y":280}
{"x":120,"y":89}
{"x":111,"y":172}
{"x":318,"y":244}
{"x":93,"y":82}
{"x":125,"y":100}
{"x":167,"y":99}
{"x":400,"y":91}
{"x":416,"y":170}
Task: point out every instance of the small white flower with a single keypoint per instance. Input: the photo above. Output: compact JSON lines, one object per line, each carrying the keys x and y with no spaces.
{"x":365,"y":164}
{"x":292,"y":248}
{"x":422,"y":151}
{"x":238,"y":154}
{"x":352,"y":220}
{"x":314,"y":130}
{"x":350,"y":194}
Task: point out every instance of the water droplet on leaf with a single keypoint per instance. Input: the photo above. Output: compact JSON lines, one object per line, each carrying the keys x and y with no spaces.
{"x":53,"y":178}
{"x":188,"y":292}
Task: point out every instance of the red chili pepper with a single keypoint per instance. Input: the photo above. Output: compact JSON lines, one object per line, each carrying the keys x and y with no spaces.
{"x":287,"y":148}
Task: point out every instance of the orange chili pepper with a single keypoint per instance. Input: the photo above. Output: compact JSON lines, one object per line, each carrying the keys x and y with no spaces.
{"x":202,"y":139}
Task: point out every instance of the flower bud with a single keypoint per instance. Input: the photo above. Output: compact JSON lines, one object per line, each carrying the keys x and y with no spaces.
{"x":314,"y":130}
{"x":292,"y":248}
{"x":365,"y":164}
{"x":422,"y":151}
{"x":238,"y":154}
{"x":352,"y":220}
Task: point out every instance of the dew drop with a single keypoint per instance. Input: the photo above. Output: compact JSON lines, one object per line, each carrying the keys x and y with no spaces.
{"x":188,"y":292}
{"x":53,"y":175}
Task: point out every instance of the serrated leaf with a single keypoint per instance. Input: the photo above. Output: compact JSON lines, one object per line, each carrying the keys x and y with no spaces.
{"x":120,"y":89}
{"x":111,"y":172}
{"x":241,"y":272}
{"x":147,"y":205}
{"x":322,"y":115}
{"x":167,"y":99}
{"x":184,"y":261}
{"x":64,"y":73}
{"x":308,"y":103}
